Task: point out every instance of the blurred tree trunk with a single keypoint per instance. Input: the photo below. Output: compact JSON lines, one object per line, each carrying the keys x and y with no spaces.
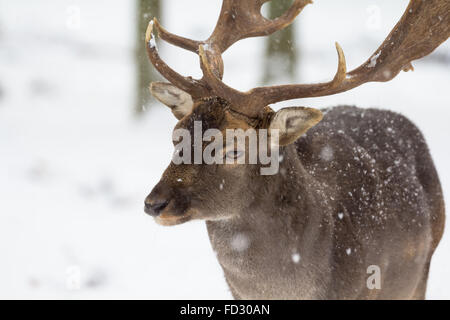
{"x":280,"y":55}
{"x":146,"y":10}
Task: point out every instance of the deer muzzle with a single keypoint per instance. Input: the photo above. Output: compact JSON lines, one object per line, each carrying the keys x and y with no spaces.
{"x":167,"y":205}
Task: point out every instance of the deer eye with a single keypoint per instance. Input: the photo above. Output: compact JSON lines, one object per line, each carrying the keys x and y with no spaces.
{"x":234,"y":154}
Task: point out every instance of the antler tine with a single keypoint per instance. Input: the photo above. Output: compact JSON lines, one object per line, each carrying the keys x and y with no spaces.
{"x":220,"y":89}
{"x":243,"y":19}
{"x":194,"y":87}
{"x":283,"y":21}
{"x":422,"y":28}
{"x":268,"y":95}
{"x":178,"y":41}
{"x":238,"y":20}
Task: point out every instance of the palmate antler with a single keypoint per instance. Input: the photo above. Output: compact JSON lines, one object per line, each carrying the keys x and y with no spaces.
{"x":422,"y":28}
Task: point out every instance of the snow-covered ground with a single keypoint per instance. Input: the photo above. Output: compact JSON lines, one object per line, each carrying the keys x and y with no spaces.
{"x":76,"y":164}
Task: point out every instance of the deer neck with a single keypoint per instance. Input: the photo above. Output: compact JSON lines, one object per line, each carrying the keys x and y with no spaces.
{"x":293,"y":191}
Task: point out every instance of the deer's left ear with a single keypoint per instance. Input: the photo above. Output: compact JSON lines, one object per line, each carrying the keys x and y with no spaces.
{"x":176,"y":99}
{"x":293,"y":122}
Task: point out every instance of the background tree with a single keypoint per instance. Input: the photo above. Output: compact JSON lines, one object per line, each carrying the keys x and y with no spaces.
{"x":146,"y":10}
{"x":280,"y":55}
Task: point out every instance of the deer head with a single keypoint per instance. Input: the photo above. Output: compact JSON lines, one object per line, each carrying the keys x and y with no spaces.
{"x":186,"y":191}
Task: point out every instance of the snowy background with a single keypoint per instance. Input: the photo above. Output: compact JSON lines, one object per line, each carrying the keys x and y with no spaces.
{"x":76,"y":163}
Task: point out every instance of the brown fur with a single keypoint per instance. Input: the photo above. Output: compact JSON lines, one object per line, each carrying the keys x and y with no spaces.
{"x":370,"y":167}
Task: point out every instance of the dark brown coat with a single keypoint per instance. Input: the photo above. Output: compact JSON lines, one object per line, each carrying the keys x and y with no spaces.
{"x":359,"y":189}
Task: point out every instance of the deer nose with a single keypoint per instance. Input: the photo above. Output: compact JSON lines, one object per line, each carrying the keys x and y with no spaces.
{"x":154,"y":208}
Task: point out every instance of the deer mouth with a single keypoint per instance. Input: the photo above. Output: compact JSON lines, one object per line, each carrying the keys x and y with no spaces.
{"x":167,"y":219}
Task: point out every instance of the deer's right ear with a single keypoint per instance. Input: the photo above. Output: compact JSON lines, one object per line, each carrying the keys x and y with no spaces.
{"x":293,"y":122}
{"x":177,"y":100}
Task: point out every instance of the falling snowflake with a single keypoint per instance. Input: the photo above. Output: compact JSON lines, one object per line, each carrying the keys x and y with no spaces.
{"x":240,"y":242}
{"x":296,"y":258}
{"x":326,"y":153}
{"x":373,"y":60}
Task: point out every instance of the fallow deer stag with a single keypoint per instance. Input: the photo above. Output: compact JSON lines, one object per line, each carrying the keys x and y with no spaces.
{"x":356,"y":190}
